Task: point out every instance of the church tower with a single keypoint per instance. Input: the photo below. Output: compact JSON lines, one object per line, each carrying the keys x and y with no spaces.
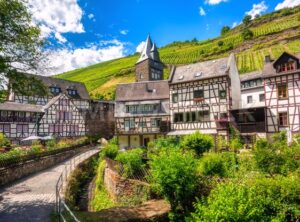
{"x":149,"y":67}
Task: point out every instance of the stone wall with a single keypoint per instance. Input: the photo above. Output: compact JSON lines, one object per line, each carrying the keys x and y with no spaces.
{"x":11,"y":174}
{"x":119,"y":187}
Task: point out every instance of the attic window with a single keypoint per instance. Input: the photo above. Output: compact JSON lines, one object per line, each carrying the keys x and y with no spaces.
{"x":72,"y":92}
{"x":55,"y":89}
{"x":181,"y":77}
{"x":198,"y":74}
{"x":285,"y":67}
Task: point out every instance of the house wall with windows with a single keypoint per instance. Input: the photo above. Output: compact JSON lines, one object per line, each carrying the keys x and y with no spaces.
{"x":281,"y":85}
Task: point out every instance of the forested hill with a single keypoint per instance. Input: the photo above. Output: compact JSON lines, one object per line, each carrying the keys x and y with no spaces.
{"x":270,"y":34}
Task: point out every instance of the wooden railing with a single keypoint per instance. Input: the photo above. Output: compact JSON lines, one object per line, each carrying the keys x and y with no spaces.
{"x":259,"y":127}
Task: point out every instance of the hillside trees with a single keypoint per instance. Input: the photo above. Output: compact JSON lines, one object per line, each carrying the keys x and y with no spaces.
{"x":225,"y":30}
{"x":20,"y":47}
{"x":247,"y":20}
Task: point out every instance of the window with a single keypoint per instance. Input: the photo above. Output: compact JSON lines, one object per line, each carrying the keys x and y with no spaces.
{"x":155,"y":122}
{"x":188,"y":117}
{"x":193,"y":116}
{"x":261,"y":97}
{"x":141,"y":76}
{"x":129,"y":123}
{"x":142,"y":124}
{"x":175,"y":97}
{"x":249,"y":99}
{"x":282,"y":91}
{"x":204,"y":116}
{"x":55,"y":89}
{"x":22,"y":128}
{"x":198,"y":93}
{"x":62,"y":115}
{"x":5,"y":128}
{"x":283,"y":119}
{"x":222,"y":94}
{"x":72,"y":92}
{"x":178,"y":117}
{"x":288,"y":66}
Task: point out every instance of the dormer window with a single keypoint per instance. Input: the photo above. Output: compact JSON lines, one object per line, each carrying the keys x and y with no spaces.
{"x":72,"y":92}
{"x":55,"y":89}
{"x":285,"y":67}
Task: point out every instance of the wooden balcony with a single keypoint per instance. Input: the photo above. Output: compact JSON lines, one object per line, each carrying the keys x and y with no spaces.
{"x":255,"y":127}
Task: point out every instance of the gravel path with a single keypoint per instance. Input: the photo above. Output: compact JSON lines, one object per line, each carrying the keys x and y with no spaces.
{"x":33,"y":198}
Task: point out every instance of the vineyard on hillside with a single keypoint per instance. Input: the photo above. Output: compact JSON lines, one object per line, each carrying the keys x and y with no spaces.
{"x":273,"y":34}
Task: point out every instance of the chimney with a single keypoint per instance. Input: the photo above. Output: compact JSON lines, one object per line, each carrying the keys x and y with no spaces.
{"x":267,"y":59}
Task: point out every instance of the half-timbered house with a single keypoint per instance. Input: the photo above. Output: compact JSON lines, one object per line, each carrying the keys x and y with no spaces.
{"x":60,"y":113}
{"x":201,"y":96}
{"x":282,"y":93}
{"x":142,"y":108}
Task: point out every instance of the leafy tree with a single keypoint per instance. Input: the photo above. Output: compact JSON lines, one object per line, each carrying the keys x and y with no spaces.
{"x":132,"y":161}
{"x":247,"y":34}
{"x":266,"y":199}
{"x":198,"y":142}
{"x":110,"y":150}
{"x":174,"y":176}
{"x":225,"y":30}
{"x":20,"y":48}
{"x":194,"y":40}
{"x":247,"y":20}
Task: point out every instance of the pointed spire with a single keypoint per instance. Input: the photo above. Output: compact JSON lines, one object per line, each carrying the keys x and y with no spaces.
{"x":145,"y":54}
{"x":154,"y":53}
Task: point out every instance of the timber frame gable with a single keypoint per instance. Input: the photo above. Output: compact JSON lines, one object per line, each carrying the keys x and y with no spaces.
{"x":62,"y":118}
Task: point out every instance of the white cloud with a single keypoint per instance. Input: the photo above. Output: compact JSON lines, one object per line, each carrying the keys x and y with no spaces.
{"x":202,"y":11}
{"x":234,"y":24}
{"x":90,"y":16}
{"x":257,"y":9}
{"x":140,"y":47}
{"x":287,"y":4}
{"x":214,"y":2}
{"x":124,"y":32}
{"x":63,"y":60}
{"x":56,"y":17}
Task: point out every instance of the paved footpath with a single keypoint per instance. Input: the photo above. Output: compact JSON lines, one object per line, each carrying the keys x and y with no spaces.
{"x":32,"y":199}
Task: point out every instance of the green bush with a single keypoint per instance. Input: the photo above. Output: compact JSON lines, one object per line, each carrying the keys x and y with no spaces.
{"x":51,"y":144}
{"x":111,"y":150}
{"x":235,"y":144}
{"x":218,"y":164}
{"x":170,"y":142}
{"x":131,"y":160}
{"x":247,"y":20}
{"x":36,"y":147}
{"x":266,"y":199}
{"x":198,"y":142}
{"x":4,"y":142}
{"x":247,"y":34}
{"x":13,"y":153}
{"x":174,"y":176}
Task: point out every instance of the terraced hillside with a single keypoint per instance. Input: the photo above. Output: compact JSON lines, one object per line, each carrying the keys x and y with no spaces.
{"x":271,"y":35}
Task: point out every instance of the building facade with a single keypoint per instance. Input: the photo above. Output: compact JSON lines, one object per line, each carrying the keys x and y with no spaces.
{"x":201,"y":96}
{"x":66,"y":111}
{"x":282,"y":92}
{"x":142,"y":108}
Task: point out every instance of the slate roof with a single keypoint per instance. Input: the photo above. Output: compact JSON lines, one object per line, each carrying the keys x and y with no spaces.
{"x":13,"y":106}
{"x":199,"y":71}
{"x":251,"y":75}
{"x":149,"y":51}
{"x":64,"y":85}
{"x":138,"y":91}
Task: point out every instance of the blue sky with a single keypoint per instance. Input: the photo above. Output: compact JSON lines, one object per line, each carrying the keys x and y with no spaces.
{"x":85,"y":32}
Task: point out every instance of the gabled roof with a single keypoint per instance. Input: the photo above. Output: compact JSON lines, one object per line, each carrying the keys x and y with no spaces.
{"x":64,"y":85}
{"x":149,"y":51}
{"x":14,"y":106}
{"x":199,"y":71}
{"x":269,"y":67}
{"x":152,"y":90}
